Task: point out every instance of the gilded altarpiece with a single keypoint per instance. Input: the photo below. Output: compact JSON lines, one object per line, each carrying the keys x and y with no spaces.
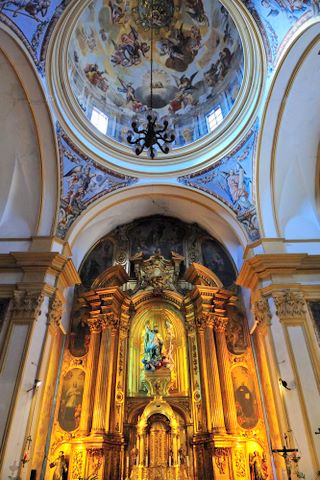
{"x":165,"y":387}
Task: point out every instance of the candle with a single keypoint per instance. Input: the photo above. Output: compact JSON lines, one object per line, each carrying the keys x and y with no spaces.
{"x":146,"y":460}
{"x":187,"y":457}
{"x":127,"y":462}
{"x":169,"y":460}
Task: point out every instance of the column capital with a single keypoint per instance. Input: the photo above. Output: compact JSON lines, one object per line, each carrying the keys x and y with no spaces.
{"x":289,"y":304}
{"x":205,"y":319}
{"x":261,"y":313}
{"x":26,"y":302}
{"x":109,"y":320}
{"x":94,"y":324}
{"x":220,"y":324}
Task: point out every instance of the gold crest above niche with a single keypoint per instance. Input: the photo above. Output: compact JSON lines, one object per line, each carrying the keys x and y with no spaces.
{"x":157,"y":273}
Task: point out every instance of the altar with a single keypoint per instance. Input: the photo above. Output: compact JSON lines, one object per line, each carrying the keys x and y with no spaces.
{"x":178,"y":472}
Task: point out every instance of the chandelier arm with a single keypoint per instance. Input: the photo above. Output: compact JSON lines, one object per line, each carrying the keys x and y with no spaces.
{"x":134,"y":142}
{"x":163,"y":149}
{"x":135,"y":129}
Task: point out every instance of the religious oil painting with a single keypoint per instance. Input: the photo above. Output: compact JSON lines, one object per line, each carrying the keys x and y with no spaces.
{"x":315,"y":310}
{"x":235,"y":332}
{"x":71,"y":399}
{"x":245,"y":398}
{"x":80,"y":335}
{"x":217,"y":260}
{"x":99,"y":259}
{"x":157,"y":233}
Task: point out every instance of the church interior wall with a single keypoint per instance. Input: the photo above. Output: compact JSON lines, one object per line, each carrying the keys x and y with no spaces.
{"x":40,"y":283}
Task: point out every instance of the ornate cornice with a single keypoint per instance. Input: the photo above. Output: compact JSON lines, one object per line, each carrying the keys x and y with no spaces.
{"x":289,"y":304}
{"x":262,"y":267}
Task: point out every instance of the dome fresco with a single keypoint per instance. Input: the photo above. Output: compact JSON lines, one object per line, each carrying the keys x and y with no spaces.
{"x":197,"y":65}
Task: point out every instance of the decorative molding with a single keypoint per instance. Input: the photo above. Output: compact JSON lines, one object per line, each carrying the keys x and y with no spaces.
{"x":156,"y":272}
{"x":220,"y":324}
{"x":94,"y":324}
{"x":55,"y":311}
{"x":261,"y":313}
{"x":221,"y":457}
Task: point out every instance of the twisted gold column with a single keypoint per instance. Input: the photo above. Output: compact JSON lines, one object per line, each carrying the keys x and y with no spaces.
{"x":220,"y":324}
{"x":92,"y":360}
{"x":218,"y":424}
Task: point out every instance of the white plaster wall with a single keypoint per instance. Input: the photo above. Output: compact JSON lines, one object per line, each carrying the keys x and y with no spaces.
{"x":9,"y":371}
{"x":307,"y":381}
{"x":298,"y":428}
{"x":19,"y":158}
{"x":15,"y":441}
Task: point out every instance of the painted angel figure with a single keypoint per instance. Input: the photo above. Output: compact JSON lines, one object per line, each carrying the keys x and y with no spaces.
{"x":32,"y":8}
{"x":131,"y":99}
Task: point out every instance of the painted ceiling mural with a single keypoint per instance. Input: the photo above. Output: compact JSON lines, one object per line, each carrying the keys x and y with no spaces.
{"x":82,"y":179}
{"x":230,"y":180}
{"x":197,"y":63}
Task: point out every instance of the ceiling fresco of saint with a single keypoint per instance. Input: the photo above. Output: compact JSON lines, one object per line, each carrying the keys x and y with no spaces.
{"x":120,"y":45}
{"x":197,"y":63}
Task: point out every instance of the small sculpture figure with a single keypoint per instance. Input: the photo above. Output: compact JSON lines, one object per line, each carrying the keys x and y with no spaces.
{"x":182,"y":456}
{"x":134,"y":456}
{"x":61,"y":470}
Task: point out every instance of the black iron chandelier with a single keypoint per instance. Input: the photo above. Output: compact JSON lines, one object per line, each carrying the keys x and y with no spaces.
{"x":152,"y":136}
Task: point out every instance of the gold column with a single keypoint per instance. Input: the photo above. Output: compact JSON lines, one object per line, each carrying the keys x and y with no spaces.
{"x":92,"y":359}
{"x":111,"y":361}
{"x":214,"y":381}
{"x":204,"y":370}
{"x":262,"y":317}
{"x":55,"y":338}
{"x":141,"y":446}
{"x":98,"y":421}
{"x":220,"y":324}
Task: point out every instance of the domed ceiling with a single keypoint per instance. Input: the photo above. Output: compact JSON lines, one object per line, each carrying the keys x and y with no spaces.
{"x":197,"y":64}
